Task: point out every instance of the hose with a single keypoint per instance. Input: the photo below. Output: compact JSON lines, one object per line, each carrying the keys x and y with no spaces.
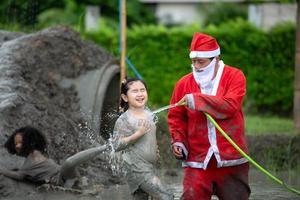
{"x":267,"y":173}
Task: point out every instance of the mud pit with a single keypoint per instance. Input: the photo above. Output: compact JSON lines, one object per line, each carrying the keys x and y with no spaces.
{"x":41,"y":85}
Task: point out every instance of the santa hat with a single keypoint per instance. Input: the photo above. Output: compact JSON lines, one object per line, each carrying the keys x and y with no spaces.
{"x":204,"y":46}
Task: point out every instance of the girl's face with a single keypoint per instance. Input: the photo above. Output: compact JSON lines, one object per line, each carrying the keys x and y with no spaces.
{"x":18,"y":143}
{"x":136,"y":95}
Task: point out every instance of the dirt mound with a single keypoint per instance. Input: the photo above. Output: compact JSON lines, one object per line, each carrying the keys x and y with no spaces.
{"x":31,"y":67}
{"x":6,"y":36}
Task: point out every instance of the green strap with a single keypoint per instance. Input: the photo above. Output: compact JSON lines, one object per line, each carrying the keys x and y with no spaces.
{"x":248,"y":157}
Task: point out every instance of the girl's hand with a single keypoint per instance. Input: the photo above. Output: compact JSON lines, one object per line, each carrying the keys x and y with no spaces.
{"x":144,"y":126}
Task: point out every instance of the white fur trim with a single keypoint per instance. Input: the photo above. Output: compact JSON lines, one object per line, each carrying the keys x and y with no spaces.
{"x":205,"y":54}
{"x":190,"y":101}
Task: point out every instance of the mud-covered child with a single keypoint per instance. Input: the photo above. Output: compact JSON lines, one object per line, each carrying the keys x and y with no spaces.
{"x":136,"y":131}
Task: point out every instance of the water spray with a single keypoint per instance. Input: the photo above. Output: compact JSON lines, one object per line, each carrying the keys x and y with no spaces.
{"x":259,"y":167}
{"x":169,"y":107}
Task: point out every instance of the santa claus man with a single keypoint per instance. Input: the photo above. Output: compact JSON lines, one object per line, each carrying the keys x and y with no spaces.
{"x":211,"y":164}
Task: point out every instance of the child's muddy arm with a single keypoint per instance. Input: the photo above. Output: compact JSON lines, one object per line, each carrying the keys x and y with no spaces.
{"x":144,"y":127}
{"x":123,"y":138}
{"x":121,"y":143}
{"x":12,"y":174}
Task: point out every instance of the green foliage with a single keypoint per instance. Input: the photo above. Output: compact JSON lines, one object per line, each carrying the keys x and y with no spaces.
{"x":107,"y":36}
{"x":136,"y":13}
{"x":267,"y":59}
{"x":161,"y":57}
{"x":282,"y":45}
{"x":219,"y":12}
{"x":24,"y":12}
{"x":268,"y":125}
{"x":12,"y":27}
{"x":67,"y":16}
{"x":45,"y":13}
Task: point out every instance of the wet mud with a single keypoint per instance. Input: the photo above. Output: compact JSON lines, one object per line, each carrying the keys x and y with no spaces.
{"x":31,"y":68}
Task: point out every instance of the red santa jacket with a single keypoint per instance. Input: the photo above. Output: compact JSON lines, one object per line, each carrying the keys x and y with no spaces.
{"x":190,"y":129}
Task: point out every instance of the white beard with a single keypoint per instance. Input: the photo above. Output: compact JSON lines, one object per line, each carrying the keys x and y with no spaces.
{"x":204,"y":76}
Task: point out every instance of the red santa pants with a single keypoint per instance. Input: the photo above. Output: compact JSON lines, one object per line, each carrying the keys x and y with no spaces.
{"x":228,"y":183}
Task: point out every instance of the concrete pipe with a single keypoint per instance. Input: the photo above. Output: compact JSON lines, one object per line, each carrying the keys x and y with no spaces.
{"x":99,"y":93}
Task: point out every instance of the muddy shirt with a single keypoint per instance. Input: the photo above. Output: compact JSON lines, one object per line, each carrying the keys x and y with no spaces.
{"x":139,"y":157}
{"x":46,"y":171}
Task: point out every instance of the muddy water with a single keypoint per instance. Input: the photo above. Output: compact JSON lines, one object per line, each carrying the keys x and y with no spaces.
{"x":262,"y":187}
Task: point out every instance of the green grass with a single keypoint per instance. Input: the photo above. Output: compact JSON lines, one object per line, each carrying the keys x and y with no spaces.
{"x":259,"y":125}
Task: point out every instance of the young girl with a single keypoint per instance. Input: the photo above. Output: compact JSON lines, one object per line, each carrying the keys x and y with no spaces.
{"x":136,"y":132}
{"x":30,"y":143}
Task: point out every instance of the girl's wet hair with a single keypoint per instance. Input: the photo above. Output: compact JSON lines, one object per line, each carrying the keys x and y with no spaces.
{"x":124,"y":89}
{"x":32,"y":139}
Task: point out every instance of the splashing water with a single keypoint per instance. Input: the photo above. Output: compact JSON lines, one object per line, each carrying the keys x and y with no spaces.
{"x":87,"y":131}
{"x":155,"y":117}
{"x":89,"y":134}
{"x":113,"y":158}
